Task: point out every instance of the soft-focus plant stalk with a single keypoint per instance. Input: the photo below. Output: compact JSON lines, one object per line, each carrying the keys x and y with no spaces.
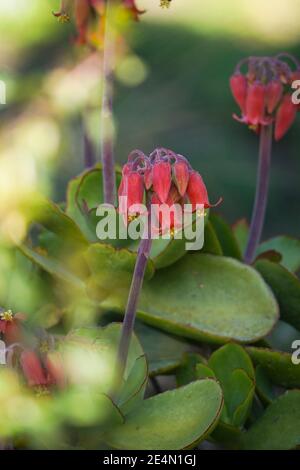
{"x":261,"y":195}
{"x":107,"y":140}
{"x":135,"y":289}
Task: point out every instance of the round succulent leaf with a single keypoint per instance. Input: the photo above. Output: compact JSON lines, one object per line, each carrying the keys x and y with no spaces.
{"x":209,"y":298}
{"x":277,"y":365}
{"x":211,"y":242}
{"x":106,"y":341}
{"x":279,"y":426}
{"x":186,"y":372}
{"x":286,"y":288}
{"x":176,"y":419}
{"x":226,"y":237}
{"x":52,"y":266}
{"x":288,"y":247}
{"x":164,"y":352}
{"x":111,"y":273}
{"x":282,"y":337}
{"x":241,"y":233}
{"x":264,"y":386}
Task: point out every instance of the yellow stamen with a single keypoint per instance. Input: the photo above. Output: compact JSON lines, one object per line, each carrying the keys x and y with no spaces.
{"x":165,"y":3}
{"x":41,"y":391}
{"x":44,"y":347}
{"x":64,"y":18}
{"x":7,"y":315}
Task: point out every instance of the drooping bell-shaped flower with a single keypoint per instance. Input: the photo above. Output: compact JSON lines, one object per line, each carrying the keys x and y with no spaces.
{"x":274,"y":91}
{"x":197,"y":192}
{"x":285,"y":117}
{"x":32,"y":369}
{"x":162,"y":179}
{"x":238,"y":85}
{"x":255,"y":103}
{"x":11,"y":326}
{"x":181,"y":176}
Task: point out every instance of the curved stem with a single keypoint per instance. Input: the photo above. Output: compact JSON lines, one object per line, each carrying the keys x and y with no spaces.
{"x":135,"y":289}
{"x":107,"y":140}
{"x":261,"y":195}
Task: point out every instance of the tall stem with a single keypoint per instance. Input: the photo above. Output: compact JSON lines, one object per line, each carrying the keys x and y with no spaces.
{"x":107,"y":140}
{"x":261,"y":195}
{"x":135,"y":289}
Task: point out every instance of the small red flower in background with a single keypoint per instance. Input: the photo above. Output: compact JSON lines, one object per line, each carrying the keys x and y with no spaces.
{"x":263,"y":93}
{"x":42,"y":374}
{"x":164,"y":179}
{"x":89,"y":12}
{"x":10,"y":326}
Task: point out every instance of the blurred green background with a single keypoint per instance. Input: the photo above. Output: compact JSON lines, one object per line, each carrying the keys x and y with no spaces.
{"x":171,"y":90}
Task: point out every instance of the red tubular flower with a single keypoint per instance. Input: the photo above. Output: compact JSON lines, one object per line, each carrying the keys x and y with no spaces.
{"x":161,"y":178}
{"x":197,"y":192}
{"x":32,"y":369}
{"x":255,"y":103}
{"x":10,"y":326}
{"x":131,"y":192}
{"x":274,"y":93}
{"x":82,"y":15}
{"x":167,"y":216}
{"x":238,"y":85}
{"x":181,"y":176}
{"x":285,"y":117}
{"x":55,"y":369}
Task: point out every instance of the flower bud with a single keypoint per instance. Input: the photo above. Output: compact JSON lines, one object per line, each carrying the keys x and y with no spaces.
{"x":181,"y":176}
{"x":255,"y":103}
{"x":274,"y":91}
{"x":32,"y":369}
{"x":161,"y":177}
{"x":196,"y":191}
{"x":132,"y":188}
{"x":238,"y":85}
{"x":285,"y":117}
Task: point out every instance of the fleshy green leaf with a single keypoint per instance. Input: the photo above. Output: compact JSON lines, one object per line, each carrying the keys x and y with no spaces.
{"x":209,"y":298}
{"x":111,"y":272}
{"x":211,"y":242}
{"x":241,"y":232}
{"x":233,"y":368}
{"x":164,"y":352}
{"x":278,"y":428}
{"x":282,"y":337}
{"x":264,"y":385}
{"x":52,"y":266}
{"x":226,"y":237}
{"x":286,"y":288}
{"x":106,"y":341}
{"x":54,"y":219}
{"x":186,"y":373}
{"x":288,"y":247}
{"x":203,"y":372}
{"x":84,"y":195}
{"x":176,"y":419}
{"x":277,"y":365}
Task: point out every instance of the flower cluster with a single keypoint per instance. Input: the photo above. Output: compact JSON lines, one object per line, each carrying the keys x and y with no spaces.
{"x":163,"y":179}
{"x":263,"y":93}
